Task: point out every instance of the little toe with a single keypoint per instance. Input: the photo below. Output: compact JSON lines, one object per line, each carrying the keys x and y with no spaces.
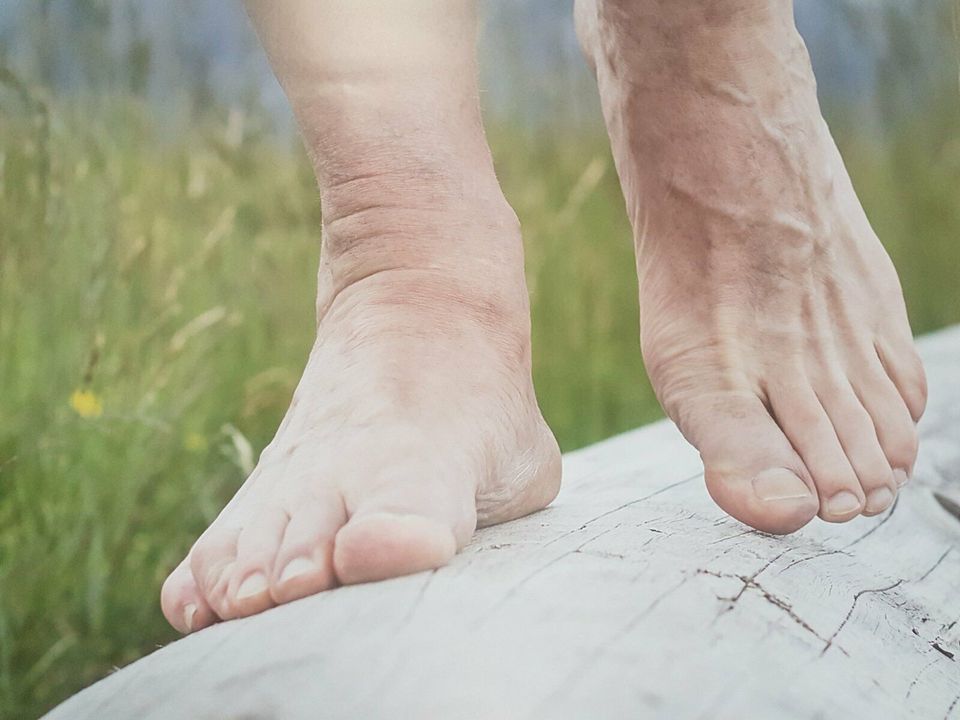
{"x":904,"y":367}
{"x":181,"y":601}
{"x":211,"y":562}
{"x":752,"y":472}
{"x":809,"y":429}
{"x":304,"y":563}
{"x":895,"y":428}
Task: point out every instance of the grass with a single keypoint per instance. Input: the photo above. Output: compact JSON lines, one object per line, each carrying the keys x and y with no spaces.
{"x":156,"y":308}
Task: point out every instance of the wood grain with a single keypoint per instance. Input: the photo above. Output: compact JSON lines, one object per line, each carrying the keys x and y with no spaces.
{"x":632,"y":596}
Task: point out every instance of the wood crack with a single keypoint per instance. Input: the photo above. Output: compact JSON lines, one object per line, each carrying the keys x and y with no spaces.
{"x":734,"y":537}
{"x":601,"y":648}
{"x":800,"y":561}
{"x":876,"y":527}
{"x":418,"y":599}
{"x":934,"y":566}
{"x":920,"y":674}
{"x":950,"y":709}
{"x":853,"y":605}
{"x":750,"y":583}
{"x":630,"y":504}
{"x":515,"y":588}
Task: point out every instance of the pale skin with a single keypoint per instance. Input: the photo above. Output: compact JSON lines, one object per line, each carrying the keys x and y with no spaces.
{"x":772,"y":321}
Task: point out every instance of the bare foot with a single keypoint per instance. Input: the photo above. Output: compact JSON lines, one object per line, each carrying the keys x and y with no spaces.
{"x":773,"y":324}
{"x":415,"y":420}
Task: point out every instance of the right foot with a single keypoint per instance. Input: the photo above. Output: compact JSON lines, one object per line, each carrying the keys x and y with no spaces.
{"x":415,"y":420}
{"x":414,"y":423}
{"x":773,"y":325}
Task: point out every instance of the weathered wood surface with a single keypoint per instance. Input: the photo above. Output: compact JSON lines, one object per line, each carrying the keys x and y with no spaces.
{"x":632,"y":596}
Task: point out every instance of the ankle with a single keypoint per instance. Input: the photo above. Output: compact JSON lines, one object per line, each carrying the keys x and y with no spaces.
{"x":385,"y":94}
{"x":435,"y":232}
{"x":404,"y":170}
{"x":476,"y":303}
{"x":417,"y":217}
{"x":386,"y":189}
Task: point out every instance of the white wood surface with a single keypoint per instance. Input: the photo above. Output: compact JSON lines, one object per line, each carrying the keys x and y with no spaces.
{"x":631,"y":596}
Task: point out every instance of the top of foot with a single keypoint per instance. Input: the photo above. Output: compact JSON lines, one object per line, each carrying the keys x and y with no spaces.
{"x":773,"y":324}
{"x":414,"y":422}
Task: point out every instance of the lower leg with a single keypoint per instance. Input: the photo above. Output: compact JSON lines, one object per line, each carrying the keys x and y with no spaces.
{"x":773,"y":326}
{"x":386,"y":98}
{"x":415,"y":419}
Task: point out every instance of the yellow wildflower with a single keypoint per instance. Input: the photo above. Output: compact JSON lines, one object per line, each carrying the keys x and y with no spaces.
{"x":86,"y":403}
{"x":195,"y":442}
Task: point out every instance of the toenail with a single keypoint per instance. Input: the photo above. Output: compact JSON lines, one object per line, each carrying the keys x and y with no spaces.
{"x":189,"y":610}
{"x":253,"y":585}
{"x":843,"y":503}
{"x":878,"y":500}
{"x":779,"y":484}
{"x":900,"y":477}
{"x":297,"y":567}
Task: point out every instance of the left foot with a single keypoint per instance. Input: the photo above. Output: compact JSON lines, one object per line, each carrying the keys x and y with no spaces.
{"x":773,"y":325}
{"x":415,"y":420}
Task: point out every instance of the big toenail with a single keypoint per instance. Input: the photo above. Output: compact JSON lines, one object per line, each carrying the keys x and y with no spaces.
{"x":878,"y":500}
{"x":253,"y":585}
{"x":297,"y":567}
{"x":900,"y":477}
{"x":189,"y":610}
{"x":843,"y":503}
{"x":779,"y":484}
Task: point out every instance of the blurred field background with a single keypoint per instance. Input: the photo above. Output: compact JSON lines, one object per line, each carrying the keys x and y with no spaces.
{"x":158,"y":239}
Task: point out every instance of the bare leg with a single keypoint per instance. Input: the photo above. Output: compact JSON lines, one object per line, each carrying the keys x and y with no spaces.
{"x":415,"y":419}
{"x":773,"y":324}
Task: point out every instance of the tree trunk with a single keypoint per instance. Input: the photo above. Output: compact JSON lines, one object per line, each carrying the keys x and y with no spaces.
{"x":633,"y":595}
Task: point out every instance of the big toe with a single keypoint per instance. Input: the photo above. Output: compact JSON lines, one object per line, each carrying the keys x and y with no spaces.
{"x":752,"y":470}
{"x":380,"y":545}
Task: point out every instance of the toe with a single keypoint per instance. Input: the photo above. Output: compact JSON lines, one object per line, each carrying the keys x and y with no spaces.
{"x":380,"y":545}
{"x":809,"y":429}
{"x":895,"y":427}
{"x":903,"y":366}
{"x":248,"y":590}
{"x":858,"y":438}
{"x":211,"y":564}
{"x":304,"y":563}
{"x":752,"y":472}
{"x":181,"y":601}
{"x":404,"y":521}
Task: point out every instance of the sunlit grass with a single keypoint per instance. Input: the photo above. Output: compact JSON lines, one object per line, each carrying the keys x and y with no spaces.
{"x":156,"y":306}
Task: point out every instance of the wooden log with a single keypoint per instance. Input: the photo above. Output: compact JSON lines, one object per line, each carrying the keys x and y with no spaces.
{"x":631,"y":596}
